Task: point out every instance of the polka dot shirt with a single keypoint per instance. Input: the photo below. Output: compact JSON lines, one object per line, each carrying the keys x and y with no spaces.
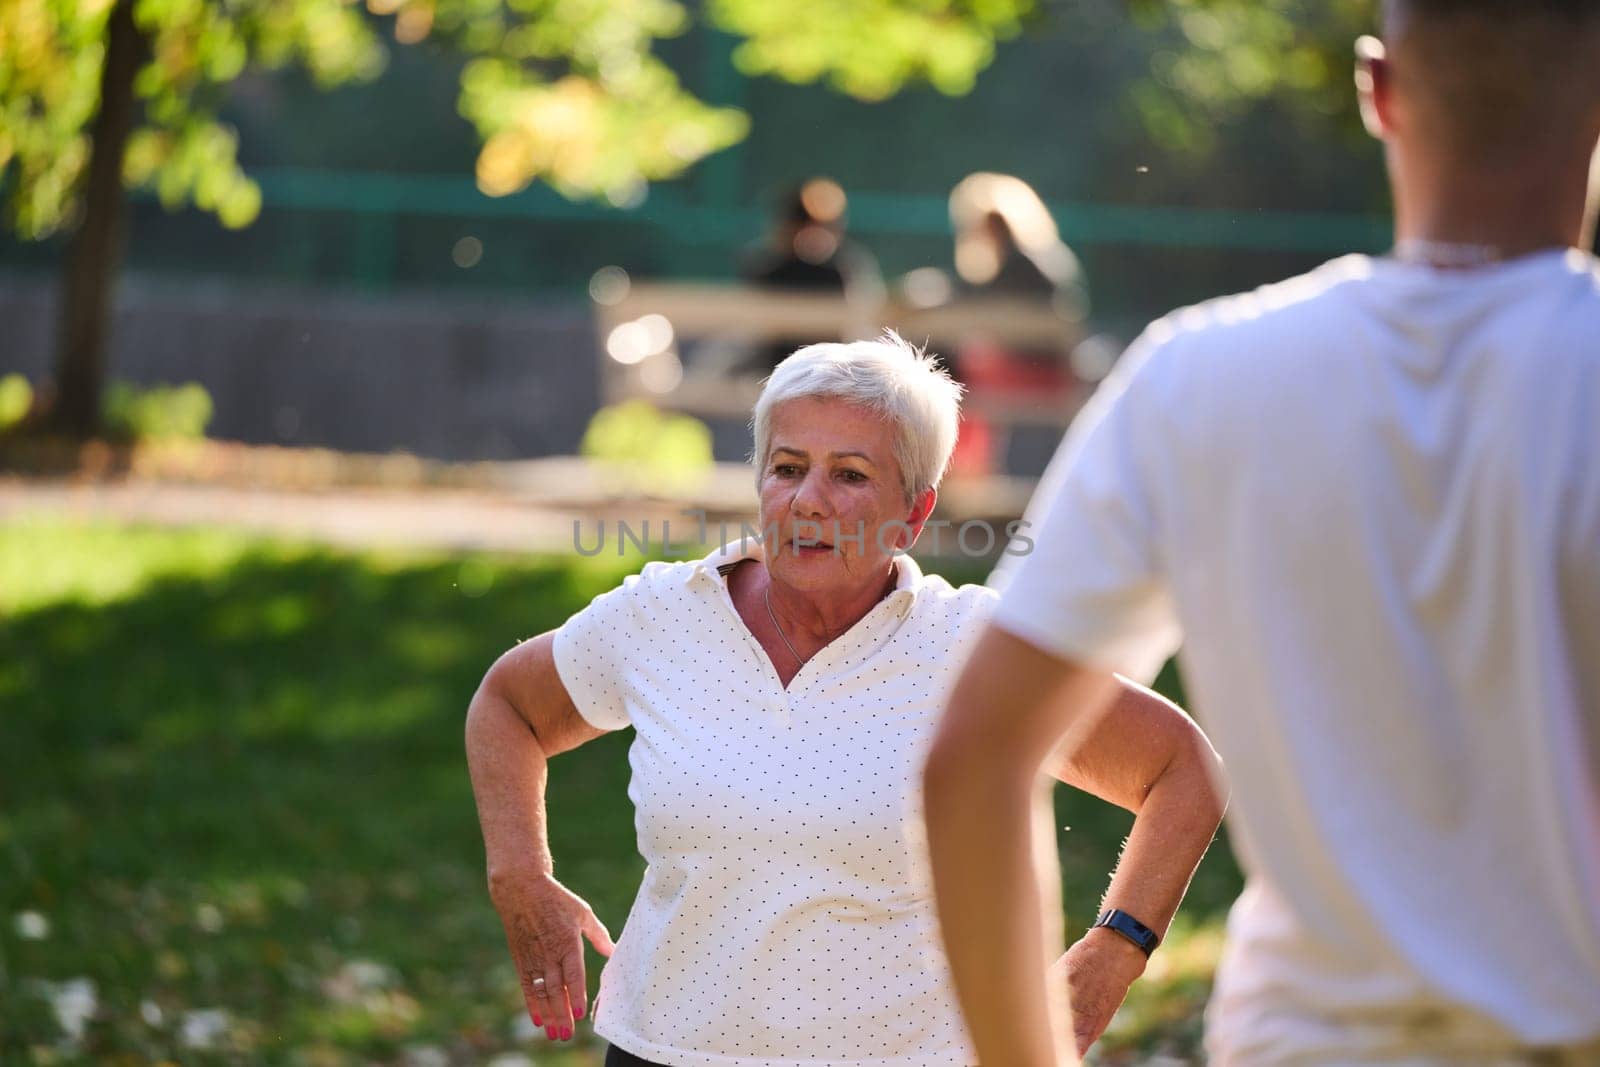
{"x":786,"y":914}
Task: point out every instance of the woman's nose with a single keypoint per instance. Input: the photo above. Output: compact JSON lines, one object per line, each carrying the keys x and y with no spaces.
{"x":810,"y":497}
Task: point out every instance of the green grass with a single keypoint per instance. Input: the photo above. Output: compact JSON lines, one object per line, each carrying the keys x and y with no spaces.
{"x":231,"y":777}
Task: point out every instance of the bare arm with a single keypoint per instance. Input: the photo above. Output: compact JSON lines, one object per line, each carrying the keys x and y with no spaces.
{"x":1144,"y":754}
{"x":1014,"y":712}
{"x":520,"y":716}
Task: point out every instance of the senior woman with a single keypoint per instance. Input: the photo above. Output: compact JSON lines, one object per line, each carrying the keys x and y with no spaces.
{"x":784,"y":692}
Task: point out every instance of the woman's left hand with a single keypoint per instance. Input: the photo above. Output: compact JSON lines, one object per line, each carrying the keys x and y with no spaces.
{"x":1098,"y":970}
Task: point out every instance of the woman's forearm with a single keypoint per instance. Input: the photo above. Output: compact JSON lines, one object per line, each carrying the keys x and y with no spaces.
{"x":509,"y":770}
{"x":1146,"y":756}
{"x":1171,"y":832}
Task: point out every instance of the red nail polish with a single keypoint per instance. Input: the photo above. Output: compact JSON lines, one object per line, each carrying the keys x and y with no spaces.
{"x":550,"y":1032}
{"x":566,"y":1033}
{"x":537,"y":1021}
{"x":578,"y":1014}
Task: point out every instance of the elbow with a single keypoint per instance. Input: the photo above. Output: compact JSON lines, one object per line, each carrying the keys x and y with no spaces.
{"x":945,"y":765}
{"x":478,"y":715}
{"x":489,"y":689}
{"x":1221,"y":787}
{"x":962,"y":761}
{"x":1192,"y":775}
{"x":940,"y":772}
{"x":1210,"y":776}
{"x":492,"y":705}
{"x":946,"y":778}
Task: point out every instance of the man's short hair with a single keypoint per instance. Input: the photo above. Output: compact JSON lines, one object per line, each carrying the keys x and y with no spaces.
{"x":1574,"y":9}
{"x":1499,"y":77}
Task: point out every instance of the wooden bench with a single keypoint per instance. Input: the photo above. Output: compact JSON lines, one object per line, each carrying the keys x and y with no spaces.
{"x":681,"y":346}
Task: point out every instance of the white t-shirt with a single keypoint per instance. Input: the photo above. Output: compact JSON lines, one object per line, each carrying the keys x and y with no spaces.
{"x":1368,"y":500}
{"x":787,"y":911}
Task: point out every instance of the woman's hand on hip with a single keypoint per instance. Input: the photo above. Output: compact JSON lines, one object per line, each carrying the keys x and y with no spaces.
{"x":545,"y":924}
{"x":1098,"y":970}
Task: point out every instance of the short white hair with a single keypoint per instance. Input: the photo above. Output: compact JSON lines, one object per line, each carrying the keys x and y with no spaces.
{"x":891,"y":377}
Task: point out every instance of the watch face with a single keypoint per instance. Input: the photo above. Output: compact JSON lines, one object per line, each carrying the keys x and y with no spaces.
{"x":1135,"y":931}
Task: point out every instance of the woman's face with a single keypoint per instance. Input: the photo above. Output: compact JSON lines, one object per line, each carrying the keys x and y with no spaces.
{"x":833,"y":506}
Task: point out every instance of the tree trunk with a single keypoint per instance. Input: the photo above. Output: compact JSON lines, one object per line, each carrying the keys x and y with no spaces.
{"x":94,"y":251}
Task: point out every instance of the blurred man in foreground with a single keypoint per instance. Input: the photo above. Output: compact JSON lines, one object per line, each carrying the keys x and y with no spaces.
{"x":1368,"y":501}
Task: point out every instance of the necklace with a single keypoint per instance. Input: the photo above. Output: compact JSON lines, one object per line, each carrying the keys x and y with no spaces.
{"x":1447,"y":254}
{"x":766,"y":595}
{"x":766,"y":598}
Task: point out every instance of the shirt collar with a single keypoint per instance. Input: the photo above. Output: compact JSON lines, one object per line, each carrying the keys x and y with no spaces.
{"x":908,"y":576}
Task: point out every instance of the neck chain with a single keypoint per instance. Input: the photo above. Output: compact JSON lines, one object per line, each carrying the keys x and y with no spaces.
{"x":766,"y":595}
{"x":1448,"y":254}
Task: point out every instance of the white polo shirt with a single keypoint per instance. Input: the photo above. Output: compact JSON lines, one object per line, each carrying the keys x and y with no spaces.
{"x":1368,"y":500}
{"x":786,"y":915}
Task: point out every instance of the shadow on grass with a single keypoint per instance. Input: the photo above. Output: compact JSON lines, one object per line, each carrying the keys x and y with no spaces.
{"x":222,"y":790}
{"x":243,"y":790}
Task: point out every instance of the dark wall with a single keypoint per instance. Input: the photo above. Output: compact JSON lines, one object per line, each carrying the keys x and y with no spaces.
{"x":450,"y":380}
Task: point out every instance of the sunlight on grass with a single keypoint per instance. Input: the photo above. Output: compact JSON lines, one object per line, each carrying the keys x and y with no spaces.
{"x":46,"y":562}
{"x":1162,"y":1014}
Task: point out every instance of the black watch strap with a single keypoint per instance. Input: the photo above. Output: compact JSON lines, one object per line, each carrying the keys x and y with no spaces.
{"x":1143,"y":938}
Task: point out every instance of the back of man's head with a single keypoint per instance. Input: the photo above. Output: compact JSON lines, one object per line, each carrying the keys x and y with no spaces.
{"x":1491,"y":82}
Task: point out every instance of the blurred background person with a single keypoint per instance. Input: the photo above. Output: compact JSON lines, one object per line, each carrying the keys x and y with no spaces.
{"x":1366,"y":500}
{"x":809,"y":250}
{"x":1008,"y":248}
{"x":1007,"y":243}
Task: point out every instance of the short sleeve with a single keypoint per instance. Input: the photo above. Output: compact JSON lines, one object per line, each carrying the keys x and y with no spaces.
{"x":1083,"y":580}
{"x":588,"y":652}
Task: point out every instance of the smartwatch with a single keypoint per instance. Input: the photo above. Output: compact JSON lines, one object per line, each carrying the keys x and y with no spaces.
{"x":1143,"y":938}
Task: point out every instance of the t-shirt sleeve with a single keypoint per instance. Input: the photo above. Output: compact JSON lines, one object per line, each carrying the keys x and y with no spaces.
{"x":589,"y":652}
{"x":1085,"y":580}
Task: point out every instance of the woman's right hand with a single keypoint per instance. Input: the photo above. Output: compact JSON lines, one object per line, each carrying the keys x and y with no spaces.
{"x":545,"y":924}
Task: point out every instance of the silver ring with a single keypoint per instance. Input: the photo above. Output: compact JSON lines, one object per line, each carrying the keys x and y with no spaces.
{"x":538,"y":984}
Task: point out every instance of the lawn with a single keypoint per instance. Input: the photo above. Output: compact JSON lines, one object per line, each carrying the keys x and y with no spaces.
{"x":236,"y":826}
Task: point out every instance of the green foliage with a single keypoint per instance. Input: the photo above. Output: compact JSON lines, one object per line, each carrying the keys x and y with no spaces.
{"x":158,"y":412}
{"x":589,"y":136}
{"x":571,"y":92}
{"x":871,"y":49}
{"x":566,"y":91}
{"x":1223,"y":56}
{"x":16,"y":400}
{"x":648,"y":446}
{"x":50,"y":57}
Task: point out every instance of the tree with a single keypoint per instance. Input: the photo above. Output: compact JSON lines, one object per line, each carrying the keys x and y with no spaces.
{"x":100,"y":95}
{"x":1229,"y":54}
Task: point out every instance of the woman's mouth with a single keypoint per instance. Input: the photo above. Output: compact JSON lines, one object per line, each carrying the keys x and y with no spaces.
{"x":812,"y":548}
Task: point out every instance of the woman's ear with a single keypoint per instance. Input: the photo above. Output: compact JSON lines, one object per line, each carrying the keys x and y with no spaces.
{"x":921,"y":508}
{"x":1373,"y":82}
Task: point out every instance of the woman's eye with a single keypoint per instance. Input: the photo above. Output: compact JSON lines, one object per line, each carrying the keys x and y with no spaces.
{"x":785,"y":470}
{"x":853,"y":476}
